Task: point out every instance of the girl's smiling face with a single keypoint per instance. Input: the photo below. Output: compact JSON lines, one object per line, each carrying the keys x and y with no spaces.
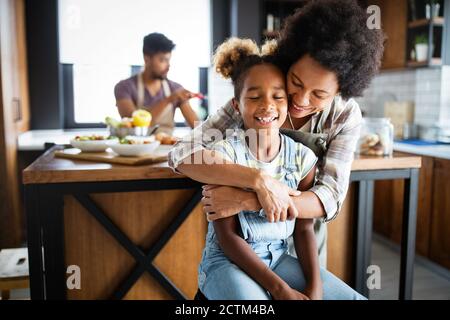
{"x":263,"y":101}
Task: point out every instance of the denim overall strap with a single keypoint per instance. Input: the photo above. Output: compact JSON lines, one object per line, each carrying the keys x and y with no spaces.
{"x":254,"y":225}
{"x":290,"y":163}
{"x":238,"y":143}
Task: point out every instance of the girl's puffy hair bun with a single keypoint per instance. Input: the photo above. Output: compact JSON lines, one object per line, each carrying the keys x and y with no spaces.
{"x":269,"y":48}
{"x":231,"y":53}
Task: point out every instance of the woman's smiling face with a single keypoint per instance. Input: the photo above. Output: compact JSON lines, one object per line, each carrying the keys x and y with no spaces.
{"x":311,"y":87}
{"x":263,"y":100}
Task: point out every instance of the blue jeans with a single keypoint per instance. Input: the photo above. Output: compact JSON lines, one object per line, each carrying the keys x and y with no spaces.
{"x":220,"y":279}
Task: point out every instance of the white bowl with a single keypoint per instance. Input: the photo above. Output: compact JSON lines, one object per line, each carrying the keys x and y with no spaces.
{"x":123,"y":132}
{"x":164,"y":148}
{"x":93,"y":145}
{"x":134,"y":150}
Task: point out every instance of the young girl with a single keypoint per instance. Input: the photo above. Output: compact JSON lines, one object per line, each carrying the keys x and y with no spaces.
{"x":245,"y":255}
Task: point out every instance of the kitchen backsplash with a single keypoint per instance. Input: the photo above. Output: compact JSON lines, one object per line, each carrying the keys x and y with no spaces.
{"x":428,"y":88}
{"x":445,"y":96}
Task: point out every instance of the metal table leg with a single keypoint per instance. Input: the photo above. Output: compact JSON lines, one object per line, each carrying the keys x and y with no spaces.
{"x":370,"y":189}
{"x":364,"y":200}
{"x":360,"y":205}
{"x":34,"y":240}
{"x":52,"y":222}
{"x":408,"y":235}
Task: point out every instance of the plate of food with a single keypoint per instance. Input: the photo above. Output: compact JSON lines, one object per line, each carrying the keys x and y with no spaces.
{"x":165,"y":138}
{"x":93,"y":143}
{"x":135,"y":146}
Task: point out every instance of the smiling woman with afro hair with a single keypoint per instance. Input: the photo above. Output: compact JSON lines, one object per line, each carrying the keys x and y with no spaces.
{"x":329,"y":56}
{"x":334,"y":33}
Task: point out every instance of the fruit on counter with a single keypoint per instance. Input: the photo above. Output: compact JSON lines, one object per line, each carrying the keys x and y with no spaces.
{"x":126,"y":123}
{"x":112,"y":122}
{"x":93,"y":137}
{"x":135,"y":141}
{"x":123,"y":123}
{"x":141,"y":118}
{"x":164,"y":138}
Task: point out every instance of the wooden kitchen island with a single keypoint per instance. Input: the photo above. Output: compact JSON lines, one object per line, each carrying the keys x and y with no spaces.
{"x":137,"y":232}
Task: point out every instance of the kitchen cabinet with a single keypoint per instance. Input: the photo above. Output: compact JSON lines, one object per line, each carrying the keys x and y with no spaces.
{"x":394,"y":25}
{"x":406,"y":22}
{"x":388,"y":206}
{"x":14,"y":116}
{"x":427,"y":22}
{"x":440,"y":222}
{"x":433,"y":211}
{"x":14,"y":64}
{"x":273,"y":14}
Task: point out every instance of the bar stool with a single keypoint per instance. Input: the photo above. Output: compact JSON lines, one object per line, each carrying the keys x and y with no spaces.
{"x":13,"y":270}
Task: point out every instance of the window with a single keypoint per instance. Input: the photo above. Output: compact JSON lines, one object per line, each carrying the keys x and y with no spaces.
{"x":102,"y":41}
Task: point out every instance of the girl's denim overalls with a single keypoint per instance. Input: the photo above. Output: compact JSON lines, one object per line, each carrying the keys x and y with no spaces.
{"x":268,"y":240}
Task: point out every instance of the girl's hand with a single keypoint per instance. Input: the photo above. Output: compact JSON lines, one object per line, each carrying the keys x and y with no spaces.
{"x":275,"y":199}
{"x":314,"y":292}
{"x":287,"y":293}
{"x":221,"y":202}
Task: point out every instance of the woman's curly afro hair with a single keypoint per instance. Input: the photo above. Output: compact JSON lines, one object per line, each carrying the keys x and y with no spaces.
{"x":335,"y":34}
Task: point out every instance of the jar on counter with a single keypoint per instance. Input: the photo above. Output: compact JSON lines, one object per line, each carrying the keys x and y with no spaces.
{"x":377,"y":137}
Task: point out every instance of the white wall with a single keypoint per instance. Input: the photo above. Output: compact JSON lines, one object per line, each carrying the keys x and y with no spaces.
{"x":104,"y":37}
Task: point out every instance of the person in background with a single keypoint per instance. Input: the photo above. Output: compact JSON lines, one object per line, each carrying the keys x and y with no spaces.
{"x":151,"y":90}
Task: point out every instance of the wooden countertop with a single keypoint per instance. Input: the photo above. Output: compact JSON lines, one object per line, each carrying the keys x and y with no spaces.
{"x":397,"y":161}
{"x":48,"y":169}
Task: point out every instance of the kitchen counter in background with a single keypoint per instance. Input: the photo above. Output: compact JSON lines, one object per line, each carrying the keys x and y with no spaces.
{"x":35,"y":140}
{"x":441,"y":151}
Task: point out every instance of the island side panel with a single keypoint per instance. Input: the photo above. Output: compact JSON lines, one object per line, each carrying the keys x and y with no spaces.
{"x":142,"y":216}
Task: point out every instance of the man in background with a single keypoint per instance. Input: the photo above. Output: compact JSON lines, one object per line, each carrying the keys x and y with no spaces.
{"x":151,"y":90}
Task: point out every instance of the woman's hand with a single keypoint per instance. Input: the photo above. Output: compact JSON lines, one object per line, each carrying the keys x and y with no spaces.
{"x":271,"y":195}
{"x":275,"y":198}
{"x":221,"y":202}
